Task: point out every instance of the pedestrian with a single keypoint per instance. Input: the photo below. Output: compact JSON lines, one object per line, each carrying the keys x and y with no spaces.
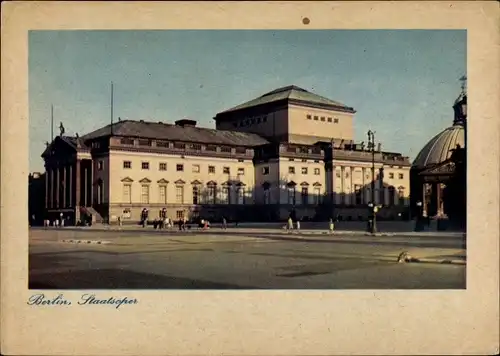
{"x":290,"y":224}
{"x":224,"y":223}
{"x":298,"y":224}
{"x":61,"y":219}
{"x":331,"y":225}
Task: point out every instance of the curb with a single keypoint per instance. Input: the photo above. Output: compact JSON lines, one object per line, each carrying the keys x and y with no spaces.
{"x":93,"y":242}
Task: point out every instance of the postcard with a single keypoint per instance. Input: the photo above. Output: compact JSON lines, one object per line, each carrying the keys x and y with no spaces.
{"x":250,"y":178}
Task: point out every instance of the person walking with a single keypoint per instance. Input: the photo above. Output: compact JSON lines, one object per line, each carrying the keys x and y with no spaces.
{"x":224,"y":223}
{"x":331,"y":226}
{"x":298,"y":224}
{"x":290,"y":224}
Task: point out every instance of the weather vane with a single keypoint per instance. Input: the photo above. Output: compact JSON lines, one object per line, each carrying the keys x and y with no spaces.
{"x":463,"y":79}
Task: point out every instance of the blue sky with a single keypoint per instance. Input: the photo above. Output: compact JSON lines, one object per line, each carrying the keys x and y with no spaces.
{"x":401,"y":82}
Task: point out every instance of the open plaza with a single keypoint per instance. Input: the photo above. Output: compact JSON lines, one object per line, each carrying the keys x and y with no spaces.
{"x":254,"y":256}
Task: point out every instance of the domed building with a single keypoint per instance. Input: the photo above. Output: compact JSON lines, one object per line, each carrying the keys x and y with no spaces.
{"x":438,"y":173}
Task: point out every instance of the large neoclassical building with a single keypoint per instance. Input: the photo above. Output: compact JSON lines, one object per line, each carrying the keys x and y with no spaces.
{"x":288,"y":149}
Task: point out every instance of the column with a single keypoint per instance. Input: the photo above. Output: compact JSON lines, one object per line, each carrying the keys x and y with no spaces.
{"x":92,"y":183}
{"x":77,"y":191}
{"x":70,"y":185}
{"x":46,"y":189}
{"x":58,"y":185}
{"x":424,"y":200}
{"x":342,"y":184}
{"x":64,"y":186}
{"x":363,"y":185}
{"x":52,"y":196}
{"x":85,"y":186}
{"x":438,"y":199}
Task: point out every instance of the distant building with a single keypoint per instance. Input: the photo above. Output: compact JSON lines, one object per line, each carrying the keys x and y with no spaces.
{"x":286,"y":150}
{"x":36,"y":198}
{"x":438,"y":174}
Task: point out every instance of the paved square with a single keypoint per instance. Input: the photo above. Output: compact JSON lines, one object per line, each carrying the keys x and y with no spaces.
{"x":233,"y":259}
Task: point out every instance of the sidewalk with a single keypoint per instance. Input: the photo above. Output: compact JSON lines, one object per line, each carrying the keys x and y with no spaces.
{"x":249,"y":230}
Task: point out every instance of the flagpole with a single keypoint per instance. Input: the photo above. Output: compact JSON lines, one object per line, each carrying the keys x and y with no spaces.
{"x":51,"y":122}
{"x":111,"y":108}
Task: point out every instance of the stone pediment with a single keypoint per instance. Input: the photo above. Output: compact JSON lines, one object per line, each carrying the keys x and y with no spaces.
{"x":145,"y":180}
{"x":212,"y":183}
{"x":304,"y":184}
{"x":179,"y":181}
{"x":127,"y":180}
{"x":446,"y":168}
{"x":291,"y":184}
{"x":196,"y":182}
{"x":227,"y":183}
{"x":163,"y":181}
{"x":241,"y":184}
{"x":317,"y":184}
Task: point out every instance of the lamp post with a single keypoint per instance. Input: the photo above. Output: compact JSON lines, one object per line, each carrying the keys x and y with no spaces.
{"x":372,"y":205}
{"x":418,"y":222}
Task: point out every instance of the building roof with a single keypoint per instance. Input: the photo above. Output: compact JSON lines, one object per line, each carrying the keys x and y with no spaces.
{"x":290,"y":92}
{"x":439,"y":148}
{"x":170,"y":132}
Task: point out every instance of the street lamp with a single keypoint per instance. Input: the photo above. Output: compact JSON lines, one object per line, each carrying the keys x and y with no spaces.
{"x":418,"y":222}
{"x":372,"y":205}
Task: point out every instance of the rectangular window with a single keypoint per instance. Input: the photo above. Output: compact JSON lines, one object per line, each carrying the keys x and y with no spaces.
{"x":226,"y":170}
{"x":316,"y":171}
{"x":211,"y":194}
{"x":179,"y":194}
{"x":241,"y":171}
{"x":163,"y":166}
{"x":335,"y":121}
{"x":401,"y":175}
{"x":180,"y":168}
{"x":391,"y":175}
{"x":241,"y":195}
{"x":211,"y":148}
{"x":265,"y":171}
{"x":322,"y":118}
{"x":163,"y":194}
{"x":127,"y":193}
{"x":211,"y":169}
{"x":127,"y":141}
{"x":225,"y":196}
{"x":317,"y":195}
{"x":195,"y":147}
{"x":291,"y":195}
{"x":100,"y":165}
{"x":291,"y":159}
{"x":127,"y":164}
{"x":225,"y":149}
{"x":179,"y":146}
{"x":316,"y":118}
{"x":267,"y":197}
{"x":304,"y":195}
{"x":161,"y":143}
{"x":291,"y":170}
{"x":196,"y":193}
{"x":329,"y":119}
{"x":145,"y":165}
{"x":196,"y":168}
{"x":179,"y":214}
{"x":144,"y":142}
{"x":145,"y":194}
{"x":304,"y":170}
{"x":309,"y":117}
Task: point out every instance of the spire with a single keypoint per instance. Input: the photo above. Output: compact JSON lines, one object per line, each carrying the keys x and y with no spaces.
{"x":460,"y":105}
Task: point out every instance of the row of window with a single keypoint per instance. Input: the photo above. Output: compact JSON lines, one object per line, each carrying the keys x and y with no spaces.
{"x":303,"y":160}
{"x":179,"y":167}
{"x":304,"y":170}
{"x":250,"y":121}
{"x":183,"y":146}
{"x":391,"y":175}
{"x":322,"y":118}
{"x":210,"y":195}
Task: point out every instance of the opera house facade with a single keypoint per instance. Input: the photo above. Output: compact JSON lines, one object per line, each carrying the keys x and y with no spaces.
{"x":287,"y":150}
